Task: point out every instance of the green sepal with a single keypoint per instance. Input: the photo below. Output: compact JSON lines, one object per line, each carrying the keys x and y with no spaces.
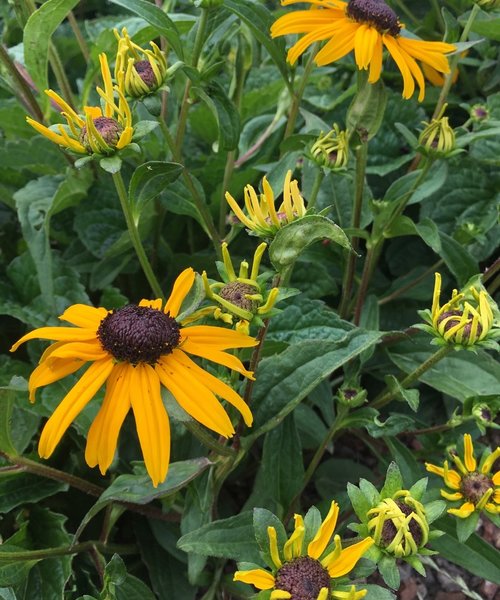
{"x":393,"y":481}
{"x":390,"y":573}
{"x":111,"y":164}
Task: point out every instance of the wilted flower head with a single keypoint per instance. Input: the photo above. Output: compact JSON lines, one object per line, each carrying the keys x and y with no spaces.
{"x":438,"y":138}
{"x":472,"y":484}
{"x":464,"y":321}
{"x":304,"y":566}
{"x":262,"y":218}
{"x":142,"y":71}
{"x":100,"y":131}
{"x":398,"y":524}
{"x":331,"y":150}
{"x":365,"y":26}
{"x":243,"y":296}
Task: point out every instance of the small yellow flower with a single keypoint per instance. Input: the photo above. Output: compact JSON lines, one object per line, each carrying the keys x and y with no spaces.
{"x":97,"y":131}
{"x":365,"y":26}
{"x":141,"y":71}
{"x":438,"y":138}
{"x":243,"y":296}
{"x":399,"y":525}
{"x":472,"y":484}
{"x":262,"y":218}
{"x":307,"y":570}
{"x":465,"y":321}
{"x":331,"y":150}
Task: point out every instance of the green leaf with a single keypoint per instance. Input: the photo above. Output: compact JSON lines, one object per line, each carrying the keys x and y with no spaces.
{"x":13,"y":572}
{"x":367,"y":109}
{"x":360,"y":503}
{"x":21,"y":488}
{"x":460,"y":374}
{"x":476,"y":555}
{"x":37,"y":38}
{"x":158,"y":19}
{"x":111,"y":164}
{"x":7,"y":399}
{"x":411,"y":397}
{"x":227,"y":538}
{"x":375,"y":592}
{"x":283,"y":381}
{"x":390,"y":573}
{"x":294,"y":238}
{"x":142,"y":128}
{"x":7,"y":594}
{"x":224,"y":112}
{"x":395,"y":423}
{"x":487,"y":25}
{"x":393,"y":481}
{"x":262,"y":519}
{"x":148,"y":181}
{"x":457,"y":259}
{"x":433,"y":182}
{"x":466,"y":527}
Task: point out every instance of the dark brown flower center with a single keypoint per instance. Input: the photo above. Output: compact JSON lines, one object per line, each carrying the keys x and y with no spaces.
{"x":146,"y":73}
{"x":109,"y":129}
{"x":235,"y":293}
{"x":466,"y":329}
{"x":475,"y":485}
{"x":138,"y":334}
{"x":303,"y":578}
{"x":375,"y":13}
{"x":389,"y":530}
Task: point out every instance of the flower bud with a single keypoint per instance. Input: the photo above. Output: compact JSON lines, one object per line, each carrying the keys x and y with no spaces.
{"x":107,"y":128}
{"x":352,"y":396}
{"x":438,"y":138}
{"x":331,"y":150}
{"x":479,"y":113}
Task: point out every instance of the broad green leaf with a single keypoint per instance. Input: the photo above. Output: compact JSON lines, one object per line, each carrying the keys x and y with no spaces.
{"x":37,"y":37}
{"x":457,"y":259}
{"x":262,"y":519}
{"x":21,"y":488}
{"x":7,"y":399}
{"x":411,"y":397}
{"x":148,"y":181}
{"x":486,"y":25}
{"x":158,"y":19}
{"x":367,"y":109}
{"x":375,"y":592}
{"x":294,"y":238}
{"x":13,"y":572}
{"x":434,"y":181}
{"x":224,"y":112}
{"x":460,"y":374}
{"x":476,"y":555}
{"x":227,"y":538}
{"x":390,"y":573}
{"x":393,"y":481}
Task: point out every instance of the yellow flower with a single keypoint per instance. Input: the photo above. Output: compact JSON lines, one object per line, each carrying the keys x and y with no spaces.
{"x":243,"y":296}
{"x":262,"y":217}
{"x":365,"y":26}
{"x":97,"y":131}
{"x":305,"y":569}
{"x":141,"y":71}
{"x":399,"y":525}
{"x":134,"y":350}
{"x":458,"y":321}
{"x":472,"y":484}
{"x":331,"y":150}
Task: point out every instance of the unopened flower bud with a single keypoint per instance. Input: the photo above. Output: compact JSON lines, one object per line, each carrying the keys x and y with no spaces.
{"x":438,"y":138}
{"x":331,"y":150}
{"x":479,"y":113}
{"x":352,"y":396}
{"x":107,"y":128}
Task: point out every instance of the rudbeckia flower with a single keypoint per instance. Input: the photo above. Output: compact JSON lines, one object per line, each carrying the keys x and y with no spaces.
{"x":302,"y":569}
{"x":99,"y":130}
{"x":263,"y":219}
{"x":472,"y":483}
{"x":135,"y":350}
{"x":365,"y":26}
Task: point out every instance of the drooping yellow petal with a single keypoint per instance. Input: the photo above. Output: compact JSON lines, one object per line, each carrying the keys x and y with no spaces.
{"x":102,"y":437}
{"x":84,"y":316}
{"x":151,"y":419}
{"x":262,"y":580}
{"x":91,"y":350}
{"x":469,"y":458}
{"x":45,"y":131}
{"x":180,"y":290}
{"x":301,"y":21}
{"x":196,"y":399}
{"x":415,"y":72}
{"x":323,"y":535}
{"x":376,"y":61}
{"x":408,"y":82}
{"x":280,"y":595}
{"x":317,"y":35}
{"x":364,"y":43}
{"x":341,"y":44}
{"x":217,"y":337}
{"x":65,"y":107}
{"x":72,"y":404}
{"x":348,"y":558}
{"x":464,"y":511}
{"x":452,"y":497}
{"x":69,"y":334}
{"x":238,"y":212}
{"x":215,"y":385}
{"x":51,"y":370}
{"x":221,"y":358}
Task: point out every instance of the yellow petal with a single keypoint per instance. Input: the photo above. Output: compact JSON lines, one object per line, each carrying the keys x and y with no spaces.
{"x":262,"y":580}
{"x":196,"y":399}
{"x":489,"y":462}
{"x":323,"y":535}
{"x":464,"y":511}
{"x":70,"y":334}
{"x":151,"y":419}
{"x":222,"y":358}
{"x":180,"y":290}
{"x":238,"y":212}
{"x":280,"y":595}
{"x":469,"y":459}
{"x":496,"y":478}
{"x":156,"y":304}
{"x":273,"y":547}
{"x":84,"y":316}
{"x":217,"y":337}
{"x":452,"y":497}
{"x":394,"y":50}
{"x":52,"y":370}
{"x":88,"y":351}
{"x":348,"y":558}
{"x":72,"y":404}
{"x":103,"y":433}
{"x":341,"y":44}
{"x":364,"y":43}
{"x":317,"y":35}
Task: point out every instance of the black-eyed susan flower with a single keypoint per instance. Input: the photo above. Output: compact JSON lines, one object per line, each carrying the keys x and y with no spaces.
{"x":306,"y":567}
{"x":142,"y":71}
{"x":331,"y":150}
{"x":100,"y":131}
{"x":365,"y":26}
{"x":473,"y":484}
{"x":465,"y":321}
{"x":262,"y":218}
{"x":135,"y":350}
{"x":244,"y":296}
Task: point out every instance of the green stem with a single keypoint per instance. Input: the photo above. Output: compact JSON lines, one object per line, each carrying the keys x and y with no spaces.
{"x":318,"y":180}
{"x":134,"y":235}
{"x":297,"y":96}
{"x":198,"y":46}
{"x":361,"y":158}
{"x":386,"y":396}
{"x":23,"y":90}
{"x":207,"y":440}
{"x":335,"y":428}
{"x":491,"y":271}
{"x":65,"y":550}
{"x":84,"y":49}
{"x":60,"y":75}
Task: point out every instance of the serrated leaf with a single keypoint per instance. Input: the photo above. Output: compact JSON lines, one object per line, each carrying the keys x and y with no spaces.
{"x":390,"y":573}
{"x":290,"y":241}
